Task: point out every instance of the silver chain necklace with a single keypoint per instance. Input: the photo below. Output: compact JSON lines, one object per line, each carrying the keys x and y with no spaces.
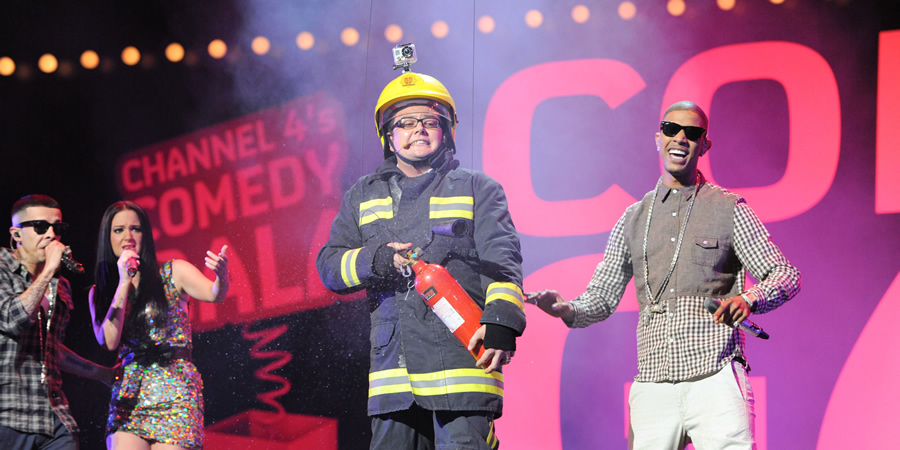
{"x":652,"y":300}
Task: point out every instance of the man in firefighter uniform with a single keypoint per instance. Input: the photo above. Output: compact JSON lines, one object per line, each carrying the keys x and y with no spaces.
{"x":426,"y":390}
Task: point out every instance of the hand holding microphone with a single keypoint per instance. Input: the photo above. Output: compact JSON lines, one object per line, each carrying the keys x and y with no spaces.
{"x":133,"y":262}
{"x":713,"y":304}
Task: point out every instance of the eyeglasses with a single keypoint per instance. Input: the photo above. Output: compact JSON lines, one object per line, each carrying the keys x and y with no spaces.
{"x":670,"y":129}
{"x":409,"y":123}
{"x":41,"y":226}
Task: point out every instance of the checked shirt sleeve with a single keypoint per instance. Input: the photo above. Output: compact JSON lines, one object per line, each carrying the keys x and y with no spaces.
{"x":779,"y":281}
{"x":14,"y":320}
{"x":605,"y":290}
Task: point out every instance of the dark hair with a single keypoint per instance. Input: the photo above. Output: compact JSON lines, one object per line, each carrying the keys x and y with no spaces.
{"x":106,"y":275}
{"x":33,"y":200}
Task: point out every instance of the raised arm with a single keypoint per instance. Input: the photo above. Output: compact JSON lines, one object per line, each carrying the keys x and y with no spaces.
{"x":188,"y":279}
{"x":18,"y":312}
{"x":108,"y":332}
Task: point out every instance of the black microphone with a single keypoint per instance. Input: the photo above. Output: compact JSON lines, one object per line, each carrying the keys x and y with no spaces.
{"x":712,"y":304}
{"x":70,"y":263}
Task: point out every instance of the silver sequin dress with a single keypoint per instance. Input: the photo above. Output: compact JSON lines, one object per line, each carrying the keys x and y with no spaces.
{"x":160,"y":401}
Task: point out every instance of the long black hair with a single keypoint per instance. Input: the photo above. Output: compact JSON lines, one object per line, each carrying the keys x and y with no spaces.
{"x":106,"y":275}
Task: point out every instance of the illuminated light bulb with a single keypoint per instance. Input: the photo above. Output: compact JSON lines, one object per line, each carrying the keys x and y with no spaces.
{"x":534,"y":18}
{"x":305,"y":40}
{"x":349,"y":36}
{"x":486,"y":24}
{"x":217,"y":49}
{"x":581,"y":14}
{"x":47,"y":63}
{"x":7,"y":66}
{"x":440,"y":29}
{"x":174,"y":52}
{"x":725,"y":5}
{"x":393,"y":33}
{"x":676,"y":7}
{"x":90,"y":59}
{"x":131,"y":56}
{"x":627,"y":10}
{"x":260,"y":45}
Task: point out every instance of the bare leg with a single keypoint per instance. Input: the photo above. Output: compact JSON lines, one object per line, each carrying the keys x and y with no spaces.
{"x":161,"y":446}
{"x":121,"y":440}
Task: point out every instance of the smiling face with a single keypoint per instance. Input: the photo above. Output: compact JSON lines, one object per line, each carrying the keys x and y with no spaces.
{"x":418,"y":143}
{"x":125,"y":230}
{"x":679,"y":154}
{"x":30,"y":245}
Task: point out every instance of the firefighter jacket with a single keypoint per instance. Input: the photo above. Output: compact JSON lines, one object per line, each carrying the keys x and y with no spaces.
{"x":414,"y":356}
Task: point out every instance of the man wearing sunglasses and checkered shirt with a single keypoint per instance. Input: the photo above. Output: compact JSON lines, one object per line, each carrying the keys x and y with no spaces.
{"x":685,"y":241}
{"x":35,"y":303}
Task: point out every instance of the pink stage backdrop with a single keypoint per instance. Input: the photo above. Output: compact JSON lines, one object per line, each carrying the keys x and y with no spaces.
{"x":803,"y":104}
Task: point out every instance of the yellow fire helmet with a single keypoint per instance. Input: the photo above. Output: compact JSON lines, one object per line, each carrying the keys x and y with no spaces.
{"x":412,"y":86}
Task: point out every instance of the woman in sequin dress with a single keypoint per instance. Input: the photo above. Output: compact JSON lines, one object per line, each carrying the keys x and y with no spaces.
{"x":157,"y":400}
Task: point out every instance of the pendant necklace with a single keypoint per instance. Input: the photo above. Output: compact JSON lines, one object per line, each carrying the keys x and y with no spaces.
{"x":653,"y":301}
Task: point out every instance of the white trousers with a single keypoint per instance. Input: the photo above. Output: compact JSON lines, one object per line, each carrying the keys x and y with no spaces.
{"x":712,"y":412}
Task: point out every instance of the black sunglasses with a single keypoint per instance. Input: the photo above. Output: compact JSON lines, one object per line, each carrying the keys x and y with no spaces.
{"x":41,"y":226}
{"x":670,"y":129}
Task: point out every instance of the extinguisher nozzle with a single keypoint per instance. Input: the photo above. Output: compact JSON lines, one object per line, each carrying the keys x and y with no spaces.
{"x":452,"y":228}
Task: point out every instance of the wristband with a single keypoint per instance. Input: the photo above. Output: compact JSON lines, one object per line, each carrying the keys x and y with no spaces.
{"x":747,"y":298}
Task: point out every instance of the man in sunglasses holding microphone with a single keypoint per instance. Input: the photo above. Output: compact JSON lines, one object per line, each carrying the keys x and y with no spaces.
{"x":35,"y":303}
{"x":685,"y":242}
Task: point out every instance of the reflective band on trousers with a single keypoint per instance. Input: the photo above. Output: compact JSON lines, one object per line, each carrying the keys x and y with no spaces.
{"x":505,"y":291}
{"x":451,"y":207}
{"x":455,"y":381}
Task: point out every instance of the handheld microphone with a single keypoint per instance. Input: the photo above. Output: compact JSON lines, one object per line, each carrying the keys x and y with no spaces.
{"x":712,"y":304}
{"x":70,"y":263}
{"x":131,"y":266}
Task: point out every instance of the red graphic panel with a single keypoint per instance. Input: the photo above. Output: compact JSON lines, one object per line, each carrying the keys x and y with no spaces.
{"x":862,"y":412}
{"x":266,"y":184}
{"x":533,"y":382}
{"x":814,"y":113}
{"x":507,"y":155}
{"x":887,"y":157}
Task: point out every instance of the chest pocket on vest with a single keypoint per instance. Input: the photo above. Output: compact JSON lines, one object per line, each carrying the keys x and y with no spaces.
{"x":706,"y":251}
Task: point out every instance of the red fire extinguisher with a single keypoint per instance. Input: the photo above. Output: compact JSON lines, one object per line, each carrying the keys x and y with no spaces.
{"x":443,"y":294}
